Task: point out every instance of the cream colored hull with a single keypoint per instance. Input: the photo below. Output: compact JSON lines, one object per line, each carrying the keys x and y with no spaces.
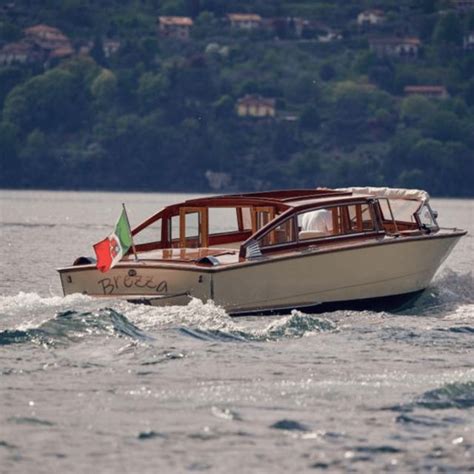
{"x":358,"y":273}
{"x":374,"y":270}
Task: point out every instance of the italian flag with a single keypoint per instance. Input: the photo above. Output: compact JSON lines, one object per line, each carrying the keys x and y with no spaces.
{"x":110,"y":250}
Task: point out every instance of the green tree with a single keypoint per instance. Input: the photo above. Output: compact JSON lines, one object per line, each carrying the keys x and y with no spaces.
{"x":9,"y":31}
{"x":97,"y":51}
{"x":104,"y":87}
{"x":49,"y":101}
{"x":37,"y":164}
{"x":9,"y":144}
{"x":448,"y":30}
{"x":469,"y":93}
{"x":10,"y":76}
{"x":224,"y":107}
{"x":443,"y":125}
{"x":415,"y":109}
{"x":310,"y":118}
{"x":152,"y":90}
{"x":327,"y":71}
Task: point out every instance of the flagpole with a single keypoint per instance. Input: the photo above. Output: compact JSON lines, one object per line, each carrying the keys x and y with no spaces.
{"x":134,"y":250}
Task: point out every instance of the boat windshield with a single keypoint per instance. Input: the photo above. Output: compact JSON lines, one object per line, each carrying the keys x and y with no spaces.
{"x":403,"y":209}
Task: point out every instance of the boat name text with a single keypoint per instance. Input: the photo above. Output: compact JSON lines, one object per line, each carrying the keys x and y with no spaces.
{"x":109,"y":285}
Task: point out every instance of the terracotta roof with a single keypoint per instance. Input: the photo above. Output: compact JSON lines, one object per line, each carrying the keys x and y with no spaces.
{"x":17,"y":48}
{"x":175,"y":20}
{"x":373,"y":12}
{"x":37,"y":29}
{"x":244,"y":17}
{"x":411,"y":41}
{"x":256,"y":100}
{"x":428,"y":89}
{"x":62,"y":52}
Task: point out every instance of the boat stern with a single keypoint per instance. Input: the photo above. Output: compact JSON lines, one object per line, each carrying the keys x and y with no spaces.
{"x":157,"y":285}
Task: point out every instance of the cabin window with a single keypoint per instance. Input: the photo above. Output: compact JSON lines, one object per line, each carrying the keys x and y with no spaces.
{"x":246,"y":218}
{"x":223,"y":220}
{"x":174,"y":229}
{"x":360,"y":218}
{"x":192,"y":225}
{"x":318,"y":223}
{"x":149,"y":234}
{"x":426,"y":218}
{"x":191,"y":230}
{"x":335,"y":220}
{"x":284,"y":233}
{"x":403,"y":209}
{"x":262,"y":216}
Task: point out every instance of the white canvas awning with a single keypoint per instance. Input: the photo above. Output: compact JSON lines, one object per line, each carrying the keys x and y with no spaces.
{"x":390,"y":193}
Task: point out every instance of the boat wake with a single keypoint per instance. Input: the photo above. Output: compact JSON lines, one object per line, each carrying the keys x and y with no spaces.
{"x":72,"y":326}
{"x":53,"y":321}
{"x":448,"y":292}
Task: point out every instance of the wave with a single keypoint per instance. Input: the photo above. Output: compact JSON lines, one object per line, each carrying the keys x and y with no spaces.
{"x":71,"y":326}
{"x":27,"y":302}
{"x":296,"y":325}
{"x":57,"y":320}
{"x":454,"y":395}
{"x":458,"y":395}
{"x":447,"y":292}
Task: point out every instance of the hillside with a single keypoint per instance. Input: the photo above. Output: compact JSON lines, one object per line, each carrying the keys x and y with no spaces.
{"x":101,"y":95}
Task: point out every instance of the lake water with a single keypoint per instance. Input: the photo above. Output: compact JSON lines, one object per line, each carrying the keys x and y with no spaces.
{"x":113,"y":387}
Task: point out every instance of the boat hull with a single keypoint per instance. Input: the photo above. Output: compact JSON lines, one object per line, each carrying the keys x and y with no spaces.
{"x":319,"y":278}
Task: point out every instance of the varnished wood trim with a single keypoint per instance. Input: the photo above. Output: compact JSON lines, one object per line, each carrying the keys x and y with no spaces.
{"x":194,"y":268}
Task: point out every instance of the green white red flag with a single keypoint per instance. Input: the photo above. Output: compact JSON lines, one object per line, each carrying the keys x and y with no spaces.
{"x":111,"y":250}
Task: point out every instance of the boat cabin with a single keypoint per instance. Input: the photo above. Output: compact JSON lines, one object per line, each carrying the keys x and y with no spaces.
{"x":255,"y":225}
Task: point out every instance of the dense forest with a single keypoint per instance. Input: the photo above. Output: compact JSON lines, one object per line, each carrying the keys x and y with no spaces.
{"x":110,"y":101}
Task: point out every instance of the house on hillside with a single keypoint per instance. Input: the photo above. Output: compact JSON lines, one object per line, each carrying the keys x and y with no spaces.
{"x":432,"y":92}
{"x":177,"y":27}
{"x":20,"y":53}
{"x":468,"y":42}
{"x":296,"y":27}
{"x":53,"y":43}
{"x":47,"y":37}
{"x":464,"y":5}
{"x":395,"y":47}
{"x":329,"y":36}
{"x":245,"y":21}
{"x":110,"y":47}
{"x":370,"y":17}
{"x":256,"y":106}
{"x":41,"y":44}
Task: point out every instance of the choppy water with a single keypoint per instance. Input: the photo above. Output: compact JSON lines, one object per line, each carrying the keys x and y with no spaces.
{"x":113,"y":387}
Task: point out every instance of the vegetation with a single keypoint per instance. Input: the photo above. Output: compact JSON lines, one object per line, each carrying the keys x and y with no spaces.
{"x":160,"y":113}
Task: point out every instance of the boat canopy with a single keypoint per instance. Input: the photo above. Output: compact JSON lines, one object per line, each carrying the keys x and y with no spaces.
{"x":389,"y":193}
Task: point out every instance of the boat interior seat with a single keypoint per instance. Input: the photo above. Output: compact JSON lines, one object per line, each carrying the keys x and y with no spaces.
{"x":311,"y":234}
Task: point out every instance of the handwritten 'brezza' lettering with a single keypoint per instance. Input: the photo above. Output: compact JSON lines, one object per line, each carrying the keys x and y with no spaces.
{"x":162,"y":287}
{"x":110,"y":285}
{"x":107,"y":286}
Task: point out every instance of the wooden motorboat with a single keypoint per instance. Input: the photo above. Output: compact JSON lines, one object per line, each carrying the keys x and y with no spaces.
{"x":278,"y":250}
